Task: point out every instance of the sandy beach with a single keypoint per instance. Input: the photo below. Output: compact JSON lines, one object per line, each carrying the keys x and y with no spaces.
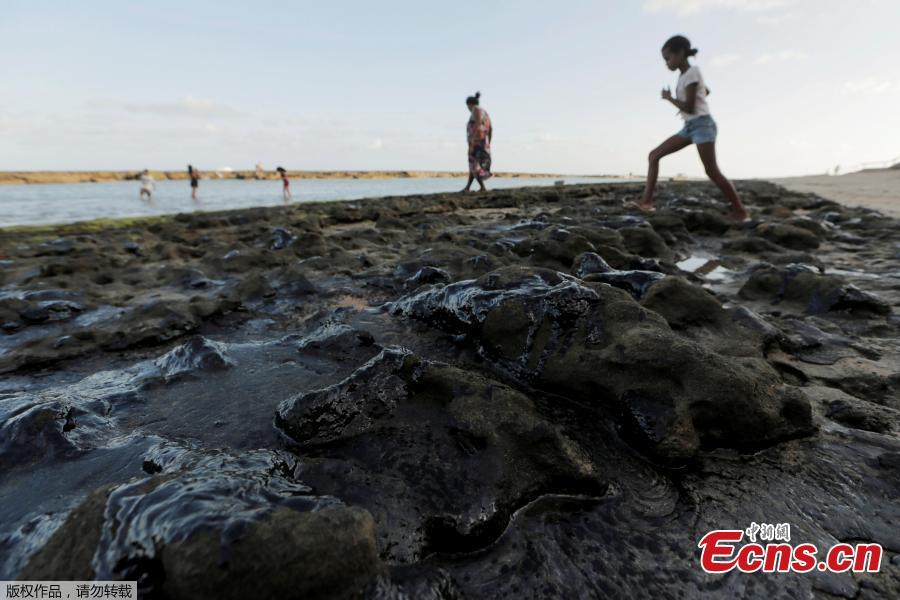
{"x":879,"y":189}
{"x":433,"y":396}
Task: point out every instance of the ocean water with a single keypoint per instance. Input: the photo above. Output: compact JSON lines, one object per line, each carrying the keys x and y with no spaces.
{"x":68,"y":202}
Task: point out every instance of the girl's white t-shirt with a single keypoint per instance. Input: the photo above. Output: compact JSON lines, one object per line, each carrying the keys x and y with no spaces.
{"x":701,"y":107}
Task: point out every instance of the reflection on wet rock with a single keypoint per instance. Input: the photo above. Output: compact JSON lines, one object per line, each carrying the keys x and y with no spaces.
{"x":198,"y":354}
{"x":596,"y":345}
{"x":215,"y":526}
{"x":636,"y":283}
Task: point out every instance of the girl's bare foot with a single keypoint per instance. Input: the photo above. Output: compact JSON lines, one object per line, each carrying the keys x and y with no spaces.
{"x":739,"y":215}
{"x":644,"y":208}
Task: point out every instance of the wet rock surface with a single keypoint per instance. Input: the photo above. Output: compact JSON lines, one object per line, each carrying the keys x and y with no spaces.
{"x":596,"y":345}
{"x":806,"y":287}
{"x":369,"y":434}
{"x":217,"y":526}
{"x":520,"y":394}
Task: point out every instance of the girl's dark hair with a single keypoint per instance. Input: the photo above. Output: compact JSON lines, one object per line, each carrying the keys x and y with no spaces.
{"x":473,"y":99}
{"x":679,"y":43}
{"x":190,"y":168}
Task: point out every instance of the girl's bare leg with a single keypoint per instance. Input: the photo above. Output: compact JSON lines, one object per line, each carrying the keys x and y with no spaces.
{"x":708,"y":156}
{"x":469,"y":183}
{"x":480,"y":183}
{"x":670,"y":146}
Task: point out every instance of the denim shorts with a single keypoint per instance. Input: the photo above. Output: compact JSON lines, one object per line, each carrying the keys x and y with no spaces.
{"x":700,"y":130}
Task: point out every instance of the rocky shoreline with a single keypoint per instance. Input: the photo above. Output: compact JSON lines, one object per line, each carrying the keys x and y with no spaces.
{"x":520,"y":394}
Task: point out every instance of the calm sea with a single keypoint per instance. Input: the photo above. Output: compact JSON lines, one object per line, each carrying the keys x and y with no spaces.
{"x":65,"y":203}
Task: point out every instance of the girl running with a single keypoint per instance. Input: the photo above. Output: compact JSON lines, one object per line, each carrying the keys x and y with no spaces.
{"x":699,"y":127}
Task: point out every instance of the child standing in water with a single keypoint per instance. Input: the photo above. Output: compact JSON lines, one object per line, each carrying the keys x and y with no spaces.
{"x":286,"y":184}
{"x":699,"y":127}
{"x":147,"y":185}
{"x":195,"y":180}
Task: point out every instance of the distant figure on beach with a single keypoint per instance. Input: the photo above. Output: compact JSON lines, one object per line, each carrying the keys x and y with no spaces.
{"x":286,"y":184}
{"x":260,"y":171}
{"x":195,"y":180}
{"x":478,"y":133}
{"x":147,"y":185}
{"x":699,"y":127}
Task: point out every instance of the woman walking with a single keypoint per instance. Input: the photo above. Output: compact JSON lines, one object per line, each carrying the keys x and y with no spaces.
{"x":479,"y":132}
{"x":699,"y":127}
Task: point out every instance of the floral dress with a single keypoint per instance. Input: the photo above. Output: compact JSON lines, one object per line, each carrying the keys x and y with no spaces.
{"x":480,"y":159}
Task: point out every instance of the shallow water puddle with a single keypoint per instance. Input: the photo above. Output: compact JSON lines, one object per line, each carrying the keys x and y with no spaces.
{"x":692,"y":263}
{"x":709,"y":269}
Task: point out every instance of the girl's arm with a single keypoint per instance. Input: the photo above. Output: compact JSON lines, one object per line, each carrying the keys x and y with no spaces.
{"x":686,"y":105}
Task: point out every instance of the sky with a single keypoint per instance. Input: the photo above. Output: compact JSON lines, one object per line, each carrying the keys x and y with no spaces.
{"x":797,"y":86}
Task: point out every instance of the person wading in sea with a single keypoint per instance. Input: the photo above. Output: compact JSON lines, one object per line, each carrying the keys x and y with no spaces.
{"x":147,"y":185}
{"x":195,"y":180}
{"x":286,"y":184}
{"x":699,"y":127}
{"x":479,"y":132}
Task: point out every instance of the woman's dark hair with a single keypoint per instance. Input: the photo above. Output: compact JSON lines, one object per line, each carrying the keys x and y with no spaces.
{"x":679,"y":43}
{"x":473,"y":99}
{"x":190,"y":169}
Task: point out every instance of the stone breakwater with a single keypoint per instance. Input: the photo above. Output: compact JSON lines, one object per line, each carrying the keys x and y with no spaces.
{"x":37,"y":177}
{"x":520,"y":394}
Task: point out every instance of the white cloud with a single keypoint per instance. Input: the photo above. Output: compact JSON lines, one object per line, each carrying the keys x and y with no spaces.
{"x":689,"y":7}
{"x":775,"y":19}
{"x":724,"y":60}
{"x":14,"y":124}
{"x":872,"y":85}
{"x":799,"y":143}
{"x":188,"y":106}
{"x":783,"y":56}
{"x":376,"y":144}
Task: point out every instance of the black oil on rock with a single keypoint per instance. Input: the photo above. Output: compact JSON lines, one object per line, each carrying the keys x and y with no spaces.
{"x":519,"y":394}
